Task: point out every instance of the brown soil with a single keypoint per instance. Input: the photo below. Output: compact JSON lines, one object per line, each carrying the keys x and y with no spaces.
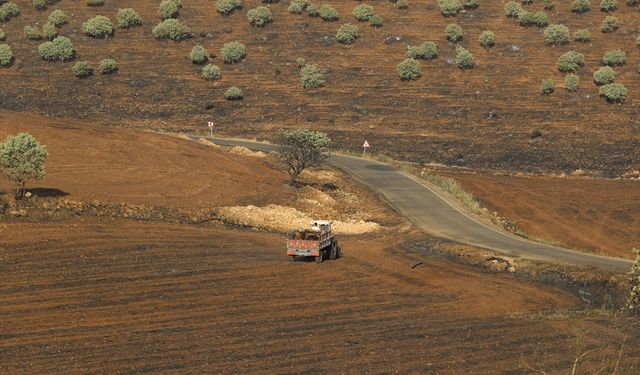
{"x":103,"y":296}
{"x":477,"y":118}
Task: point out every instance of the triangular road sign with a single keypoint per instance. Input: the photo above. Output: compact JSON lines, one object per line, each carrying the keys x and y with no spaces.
{"x":366,"y":144}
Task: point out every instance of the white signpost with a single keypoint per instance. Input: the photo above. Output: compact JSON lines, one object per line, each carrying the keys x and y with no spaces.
{"x":365,"y":146}
{"x":210,"y":124}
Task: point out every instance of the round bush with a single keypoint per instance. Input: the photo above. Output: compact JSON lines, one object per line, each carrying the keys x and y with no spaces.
{"x":211,"y":72}
{"x":464,"y":58}
{"x":453,"y":32}
{"x":3,"y":36}
{"x":426,"y":51}
{"x":603,"y":76}
{"x":95,"y":3}
{"x":98,"y":27}
{"x":540,"y":19}
{"x":376,"y":21}
{"x":297,"y":6}
{"x":8,"y":11}
{"x":613,"y":92}
{"x":546,"y":87}
{"x":57,"y":18}
{"x":614,"y":57}
{"x":108,"y":66}
{"x":633,"y":3}
{"x":402,"y":4}
{"x":570,"y":61}
{"x":582,"y":36}
{"x":609,"y":24}
{"x":228,"y":6}
{"x":525,"y":18}
{"x":49,"y":31}
{"x":32,"y":33}
{"x":128,"y":17}
{"x":198,"y":54}
{"x":233,"y":93}
{"x":409,"y":69}
{"x":449,"y":8}
{"x":313,"y":10}
{"x":487,"y":39}
{"x":168,"y":9}
{"x":328,"y":13}
{"x":571,"y":82}
{"x":556,"y":34}
{"x":548,"y":4}
{"x":301,"y":62}
{"x":470,"y":4}
{"x":82,"y":69}
{"x":363,"y":12}
{"x":60,"y":49}
{"x":580,"y":6}
{"x":39,"y":4}
{"x":512,"y":9}
{"x":311,"y":77}
{"x":347,"y":33}
{"x":259,"y":16}
{"x":608,"y":5}
{"x":233,"y":52}
{"x":172,"y":29}
{"x":6,"y":55}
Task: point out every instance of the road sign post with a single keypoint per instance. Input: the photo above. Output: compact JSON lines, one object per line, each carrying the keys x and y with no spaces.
{"x":210,"y":124}
{"x":365,"y":146}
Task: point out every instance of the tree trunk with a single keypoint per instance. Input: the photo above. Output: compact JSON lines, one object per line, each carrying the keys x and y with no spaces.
{"x":293,"y":177}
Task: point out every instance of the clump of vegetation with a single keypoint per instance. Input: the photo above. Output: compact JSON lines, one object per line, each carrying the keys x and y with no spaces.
{"x":449,"y":8}
{"x":525,"y":18}
{"x":172,"y":29}
{"x":603,"y":76}
{"x":311,"y":77}
{"x":59,"y":49}
{"x":227,"y":7}
{"x":464,"y":58}
{"x":512,"y":9}
{"x":376,"y":21}
{"x":98,"y":27}
{"x":198,"y":54}
{"x":453,"y":32}
{"x":49,"y":31}
{"x":39,"y":4}
{"x":301,"y":62}
{"x":32,"y":32}
{"x":95,"y":3}
{"x":211,"y":72}
{"x":580,"y":6}
{"x":233,"y":93}
{"x":609,"y":24}
{"x":168,"y":9}
{"x":313,"y":10}
{"x":259,"y":16}
{"x":57,"y":18}
{"x":402,"y":4}
{"x":570,"y":61}
{"x":633,"y":302}
{"x":8,"y":11}
{"x":82,"y":69}
{"x":546,"y":87}
{"x":128,"y":17}
{"x":347,"y":33}
{"x":613,"y":92}
{"x":363,"y":12}
{"x":426,"y":51}
{"x":556,"y":34}
{"x":6,"y":55}
{"x":328,"y":13}
{"x":582,"y":36}
{"x":608,"y":5}
{"x":487,"y":39}
{"x":571,"y":82}
{"x":108,"y":66}
{"x":301,"y":148}
{"x":470,"y":4}
{"x":297,"y":6}
{"x":548,"y":4}
{"x":614,"y":57}
{"x":3,"y":36}
{"x":233,"y":52}
{"x":22,"y":159}
{"x":633,"y":3}
{"x":540,"y":19}
{"x":409,"y":69}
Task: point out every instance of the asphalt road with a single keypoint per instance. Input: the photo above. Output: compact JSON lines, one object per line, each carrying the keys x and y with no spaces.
{"x":435,"y":213}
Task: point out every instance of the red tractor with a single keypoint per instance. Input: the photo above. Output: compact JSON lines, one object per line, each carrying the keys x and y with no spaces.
{"x":317,"y":241}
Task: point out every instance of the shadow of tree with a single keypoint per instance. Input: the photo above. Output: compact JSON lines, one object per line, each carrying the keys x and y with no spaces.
{"x":48,"y":192}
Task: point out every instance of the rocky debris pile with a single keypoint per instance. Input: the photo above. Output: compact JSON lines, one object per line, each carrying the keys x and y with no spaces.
{"x":243,"y":151}
{"x":500,"y":264}
{"x":207,"y":142}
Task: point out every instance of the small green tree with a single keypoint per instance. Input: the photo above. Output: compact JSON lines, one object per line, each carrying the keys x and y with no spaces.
{"x":3,"y":35}
{"x":409,"y":69}
{"x":453,"y":32}
{"x":259,"y":16}
{"x":512,"y":9}
{"x":546,"y":87}
{"x":297,"y":6}
{"x":608,"y":5}
{"x":198,"y":54}
{"x":580,"y":6}
{"x":328,"y":13}
{"x":227,"y":7}
{"x":603,"y":76}
{"x":347,"y":33}
{"x":570,"y":61}
{"x":614,"y":57}
{"x":449,"y":8}
{"x":571,"y":82}
{"x":376,"y":21}
{"x":128,"y":17}
{"x":211,"y":72}
{"x":233,"y":52}
{"x":22,"y":159}
{"x":108,"y":66}
{"x":556,"y":34}
{"x":633,"y":302}
{"x":426,"y":51}
{"x":311,"y":77}
{"x":613,"y":92}
{"x":363,"y":12}
{"x":6,"y":55}
{"x":57,"y":18}
{"x":168,"y":9}
{"x":98,"y":27}
{"x":173,"y":29}
{"x":233,"y":93}
{"x":487,"y":39}
{"x":609,"y":24}
{"x":464,"y":58}
{"x":582,"y":35}
{"x":300,"y":149}
{"x":82,"y":69}
{"x":402,"y":4}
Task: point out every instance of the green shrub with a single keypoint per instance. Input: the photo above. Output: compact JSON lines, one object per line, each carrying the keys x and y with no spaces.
{"x":614,"y":57}
{"x":311,"y":77}
{"x":313,"y":10}
{"x":376,"y":21}
{"x":525,"y":18}
{"x":297,"y":6}
{"x":172,"y":29}
{"x":233,"y":52}
{"x":609,"y":24}
{"x":328,"y":13}
{"x":453,"y":32}
{"x":49,"y":31}
{"x":347,"y":33}
{"x":426,"y":51}
{"x":128,"y":17}
{"x":464,"y":58}
{"x":613,"y":92}
{"x":6,"y":55}
{"x":228,"y":6}
{"x":82,"y":69}
{"x":402,"y":4}
{"x":32,"y":32}
{"x":470,"y":4}
{"x":233,"y":93}
{"x":570,"y":61}
{"x":512,"y":9}
{"x":95,"y":3}
{"x":548,"y":4}
{"x":98,"y":27}
{"x":633,"y":3}
{"x":198,"y":54}
{"x":571,"y":82}
{"x":582,"y":35}
{"x":60,"y":49}
{"x":608,"y":5}
{"x":556,"y":34}
{"x":259,"y":16}
{"x":487,"y":39}
{"x":580,"y":6}
{"x":168,"y":9}
{"x":211,"y":72}
{"x":39,"y":4}
{"x":3,"y":36}
{"x":449,"y":8}
{"x":546,"y":87}
{"x":57,"y":18}
{"x":301,"y":62}
{"x":363,"y":12}
{"x":8,"y":11}
{"x":540,"y":19}
{"x":409,"y":69}
{"x":603,"y":76}
{"x":108,"y":66}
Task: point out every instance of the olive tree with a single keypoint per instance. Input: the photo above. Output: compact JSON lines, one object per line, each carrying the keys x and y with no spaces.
{"x":22,"y":159}
{"x":301,"y":148}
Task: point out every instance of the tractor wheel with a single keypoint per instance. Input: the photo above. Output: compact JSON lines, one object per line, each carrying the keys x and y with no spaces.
{"x":338,"y":254}
{"x":334,"y":252}
{"x":292,"y":258}
{"x":320,"y":257}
